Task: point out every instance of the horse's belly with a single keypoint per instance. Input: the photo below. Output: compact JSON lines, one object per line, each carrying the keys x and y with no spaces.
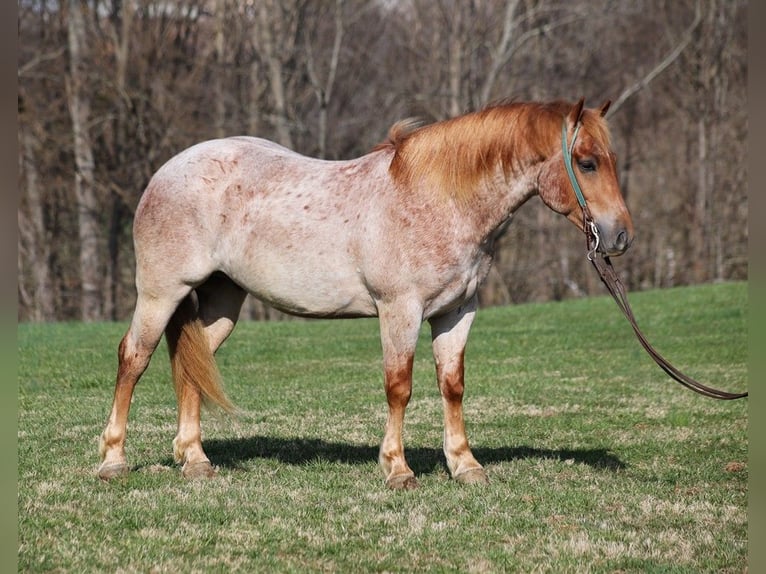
{"x":307,"y":287}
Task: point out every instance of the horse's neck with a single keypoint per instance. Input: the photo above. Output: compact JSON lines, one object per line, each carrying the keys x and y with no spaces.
{"x":499,"y":195}
{"x":490,"y":212}
{"x":513,"y":179}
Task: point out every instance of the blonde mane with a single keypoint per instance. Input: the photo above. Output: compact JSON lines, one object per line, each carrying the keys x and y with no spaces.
{"x":454,"y":155}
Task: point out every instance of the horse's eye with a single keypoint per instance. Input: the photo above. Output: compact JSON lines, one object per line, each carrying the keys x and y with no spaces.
{"x":586,"y":165}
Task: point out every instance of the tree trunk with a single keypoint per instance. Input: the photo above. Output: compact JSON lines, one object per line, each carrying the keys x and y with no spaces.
{"x":500,"y":52}
{"x":269,"y":17}
{"x":323,"y":90}
{"x":33,"y":239}
{"x":84,"y":184}
{"x":253,"y":107}
{"x":700,"y":229}
{"x":220,"y":76}
{"x":119,"y":211}
{"x":455,"y":63}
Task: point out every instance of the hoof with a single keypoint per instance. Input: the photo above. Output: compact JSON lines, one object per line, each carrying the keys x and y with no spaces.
{"x":472,"y":476}
{"x":113,"y":470}
{"x":402,"y":482}
{"x":198,"y":470}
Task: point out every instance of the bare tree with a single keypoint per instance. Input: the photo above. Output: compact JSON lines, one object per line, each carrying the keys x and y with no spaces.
{"x":34,"y":238}
{"x":84,"y":182}
{"x":711,"y":55}
{"x":145,"y":79}
{"x":276,"y":37}
{"x":219,"y":86}
{"x":323,"y":88}
{"x":119,"y":33}
{"x":661,"y":66}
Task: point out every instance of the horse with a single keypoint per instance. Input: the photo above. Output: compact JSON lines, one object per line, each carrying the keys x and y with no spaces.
{"x":405,"y":233}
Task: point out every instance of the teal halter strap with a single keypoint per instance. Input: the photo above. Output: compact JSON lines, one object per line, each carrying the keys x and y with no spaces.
{"x":589,"y":226}
{"x":567,"y":150}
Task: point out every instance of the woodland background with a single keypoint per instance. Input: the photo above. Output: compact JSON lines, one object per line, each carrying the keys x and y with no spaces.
{"x":111,"y":89}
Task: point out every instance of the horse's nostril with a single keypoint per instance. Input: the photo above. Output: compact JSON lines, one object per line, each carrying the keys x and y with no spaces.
{"x":622,"y":240}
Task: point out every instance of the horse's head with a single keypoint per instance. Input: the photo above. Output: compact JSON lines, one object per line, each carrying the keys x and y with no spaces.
{"x":594,"y":167}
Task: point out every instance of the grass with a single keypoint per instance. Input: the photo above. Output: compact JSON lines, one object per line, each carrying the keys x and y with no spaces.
{"x":597,"y":461}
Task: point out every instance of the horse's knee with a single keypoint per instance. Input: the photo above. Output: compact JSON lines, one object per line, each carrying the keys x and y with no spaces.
{"x":399,"y":392}
{"x":451,"y":381}
{"x":452,"y":389}
{"x":399,"y":385}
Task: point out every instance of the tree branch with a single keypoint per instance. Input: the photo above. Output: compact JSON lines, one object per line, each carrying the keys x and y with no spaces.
{"x":659,"y":68}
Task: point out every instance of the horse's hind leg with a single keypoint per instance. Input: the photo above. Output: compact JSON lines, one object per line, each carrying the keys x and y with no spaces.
{"x":219,"y":302}
{"x":449,"y":334}
{"x":134,"y":353}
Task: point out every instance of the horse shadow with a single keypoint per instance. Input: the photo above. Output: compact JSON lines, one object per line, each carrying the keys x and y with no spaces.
{"x":232,"y":453}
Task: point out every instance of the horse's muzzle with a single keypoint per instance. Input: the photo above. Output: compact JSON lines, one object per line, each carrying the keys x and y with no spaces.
{"x":615,"y":240}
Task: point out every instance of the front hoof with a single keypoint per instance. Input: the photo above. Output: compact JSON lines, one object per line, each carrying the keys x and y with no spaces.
{"x":113,"y":470}
{"x":472,"y":476}
{"x":198,"y":470}
{"x":402,"y":482}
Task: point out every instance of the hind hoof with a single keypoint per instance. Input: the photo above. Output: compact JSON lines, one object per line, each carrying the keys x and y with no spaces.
{"x":198,"y":470}
{"x":113,"y":470}
{"x":403,"y":482}
{"x":472,"y":476}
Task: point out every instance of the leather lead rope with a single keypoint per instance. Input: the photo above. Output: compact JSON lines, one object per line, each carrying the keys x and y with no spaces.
{"x":612,"y":281}
{"x":617,"y":290}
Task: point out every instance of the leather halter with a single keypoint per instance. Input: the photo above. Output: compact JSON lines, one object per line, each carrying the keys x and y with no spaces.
{"x":589,"y":226}
{"x":612,"y":281}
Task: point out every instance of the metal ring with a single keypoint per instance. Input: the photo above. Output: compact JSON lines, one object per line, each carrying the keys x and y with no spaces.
{"x":594,"y":232}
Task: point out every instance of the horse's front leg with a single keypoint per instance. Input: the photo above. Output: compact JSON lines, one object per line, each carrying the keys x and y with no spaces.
{"x":449,"y":334}
{"x":399,"y":330}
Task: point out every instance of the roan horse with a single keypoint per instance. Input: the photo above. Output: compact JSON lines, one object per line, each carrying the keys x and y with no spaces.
{"x":405,"y":233}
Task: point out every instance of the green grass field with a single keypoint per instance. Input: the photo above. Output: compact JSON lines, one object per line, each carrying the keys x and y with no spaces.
{"x":597,"y":461}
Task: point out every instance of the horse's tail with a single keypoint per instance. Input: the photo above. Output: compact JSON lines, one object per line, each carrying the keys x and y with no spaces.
{"x":191,"y":360}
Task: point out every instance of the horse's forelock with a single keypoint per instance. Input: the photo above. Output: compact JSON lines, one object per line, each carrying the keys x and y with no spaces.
{"x":597,"y":127}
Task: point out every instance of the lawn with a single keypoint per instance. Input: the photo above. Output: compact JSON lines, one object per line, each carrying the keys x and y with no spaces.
{"x":597,"y":461}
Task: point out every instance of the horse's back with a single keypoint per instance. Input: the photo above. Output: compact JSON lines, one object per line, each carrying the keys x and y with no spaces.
{"x":219,"y":175}
{"x":212,"y":160}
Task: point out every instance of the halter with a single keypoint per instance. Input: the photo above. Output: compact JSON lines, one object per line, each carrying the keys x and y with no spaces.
{"x":589,"y":226}
{"x":612,"y":281}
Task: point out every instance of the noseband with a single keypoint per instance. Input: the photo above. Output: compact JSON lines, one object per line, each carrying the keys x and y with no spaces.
{"x":613,"y":283}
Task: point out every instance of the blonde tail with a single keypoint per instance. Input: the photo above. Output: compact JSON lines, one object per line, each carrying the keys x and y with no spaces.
{"x":191,"y":360}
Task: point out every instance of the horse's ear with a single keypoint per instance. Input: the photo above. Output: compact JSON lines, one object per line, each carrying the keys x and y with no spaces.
{"x":605,"y":108}
{"x":576,"y":114}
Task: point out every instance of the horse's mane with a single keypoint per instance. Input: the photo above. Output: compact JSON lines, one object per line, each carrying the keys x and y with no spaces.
{"x":454,"y":155}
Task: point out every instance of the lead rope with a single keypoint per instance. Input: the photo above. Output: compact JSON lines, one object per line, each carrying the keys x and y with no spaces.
{"x":616,"y":288}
